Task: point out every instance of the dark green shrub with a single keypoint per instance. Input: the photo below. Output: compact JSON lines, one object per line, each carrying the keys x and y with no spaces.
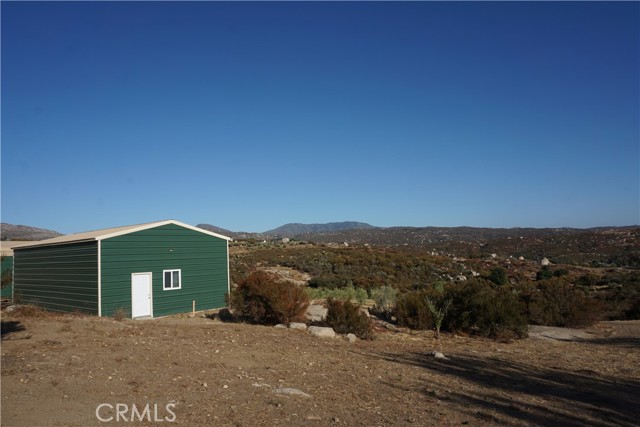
{"x":561,"y":272}
{"x":586,"y":281}
{"x":260,"y":298}
{"x":412,"y":310}
{"x":501,"y":316}
{"x":499,"y":276}
{"x":556,"y":303}
{"x":479,"y":307}
{"x":633,"y":313}
{"x":345,"y":317}
{"x":544,"y":274}
{"x":326,"y":282}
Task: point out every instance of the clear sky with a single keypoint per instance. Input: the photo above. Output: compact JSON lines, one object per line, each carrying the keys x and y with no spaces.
{"x":251,"y":115}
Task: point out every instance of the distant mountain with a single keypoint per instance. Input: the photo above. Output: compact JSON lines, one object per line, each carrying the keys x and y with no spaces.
{"x":24,"y":232}
{"x":215,"y":229}
{"x":295,"y":229}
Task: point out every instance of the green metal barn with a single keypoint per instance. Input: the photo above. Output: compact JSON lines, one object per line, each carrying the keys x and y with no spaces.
{"x":145,"y":270}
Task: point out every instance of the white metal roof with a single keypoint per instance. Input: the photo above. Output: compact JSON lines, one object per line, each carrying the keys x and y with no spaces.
{"x":6,"y":246}
{"x":117,"y":231}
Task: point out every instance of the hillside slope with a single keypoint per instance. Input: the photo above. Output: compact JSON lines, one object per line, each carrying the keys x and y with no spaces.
{"x":25,"y":232}
{"x":295,"y":229}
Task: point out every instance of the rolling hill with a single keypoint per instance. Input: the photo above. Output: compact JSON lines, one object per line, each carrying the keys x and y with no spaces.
{"x":296,"y":229}
{"x":25,"y":232}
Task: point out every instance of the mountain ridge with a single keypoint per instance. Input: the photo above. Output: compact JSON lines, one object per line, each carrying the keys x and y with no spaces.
{"x":295,"y":228}
{"x":25,"y":232}
{"x":216,"y":229}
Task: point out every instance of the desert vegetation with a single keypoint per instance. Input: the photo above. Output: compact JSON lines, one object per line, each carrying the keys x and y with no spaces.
{"x":489,"y":296}
{"x":261,"y":298}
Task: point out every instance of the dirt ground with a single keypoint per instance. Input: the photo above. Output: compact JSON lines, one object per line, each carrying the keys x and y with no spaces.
{"x":58,"y":371}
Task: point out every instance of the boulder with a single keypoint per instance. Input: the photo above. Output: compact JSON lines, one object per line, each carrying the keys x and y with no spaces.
{"x":298,"y":325}
{"x":352,"y":337}
{"x":320,"y":331}
{"x":316,"y":313}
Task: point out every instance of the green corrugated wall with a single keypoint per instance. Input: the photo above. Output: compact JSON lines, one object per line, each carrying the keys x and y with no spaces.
{"x":59,"y":278}
{"x":201,"y":257}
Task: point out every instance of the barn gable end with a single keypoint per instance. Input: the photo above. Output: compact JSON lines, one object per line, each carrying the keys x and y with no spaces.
{"x":201,"y":260}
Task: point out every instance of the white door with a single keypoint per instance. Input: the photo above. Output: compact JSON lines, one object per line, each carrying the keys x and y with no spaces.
{"x":140,"y":294}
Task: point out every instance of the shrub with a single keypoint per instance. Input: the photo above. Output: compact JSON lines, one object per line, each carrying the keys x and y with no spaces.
{"x":561,"y":272}
{"x":633,"y":313}
{"x":348,"y":293}
{"x":412,"y":311}
{"x":585,"y":280}
{"x":544,"y":274}
{"x":345,"y":294}
{"x":501,"y":316}
{"x":327,"y":282}
{"x":478,"y":307}
{"x":361,"y":296}
{"x":499,"y":276}
{"x":438,"y":305}
{"x":260,"y":298}
{"x":384,"y":299}
{"x":556,"y":303}
{"x":345,"y":317}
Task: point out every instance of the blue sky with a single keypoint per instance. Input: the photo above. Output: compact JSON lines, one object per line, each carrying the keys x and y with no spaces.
{"x":252,"y":115}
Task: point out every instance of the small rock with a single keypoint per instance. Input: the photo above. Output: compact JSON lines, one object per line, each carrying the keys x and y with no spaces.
{"x":298,"y":325}
{"x":225,"y":386}
{"x":438,"y":355}
{"x":293,"y":391}
{"x":320,"y":331}
{"x":280,"y":326}
{"x":352,"y":337}
{"x":11,"y":308}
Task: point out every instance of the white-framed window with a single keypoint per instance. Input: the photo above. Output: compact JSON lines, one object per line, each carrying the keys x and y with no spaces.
{"x":171,"y":279}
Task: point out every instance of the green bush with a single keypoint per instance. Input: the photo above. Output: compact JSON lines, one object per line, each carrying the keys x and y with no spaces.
{"x":412,"y":310}
{"x":348,"y":293}
{"x":499,"y":276}
{"x":480,"y":307}
{"x":544,"y":274}
{"x":327,"y":282}
{"x":385,"y":299}
{"x":361,"y":296}
{"x":345,"y":317}
{"x":556,"y":303}
{"x":260,"y":298}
